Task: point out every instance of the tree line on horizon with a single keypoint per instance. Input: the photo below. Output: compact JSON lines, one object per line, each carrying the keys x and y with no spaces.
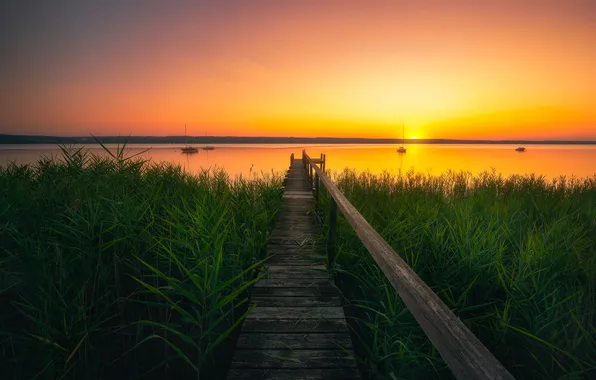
{"x":28,"y":139}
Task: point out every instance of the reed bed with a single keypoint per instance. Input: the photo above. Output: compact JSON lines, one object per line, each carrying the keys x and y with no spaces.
{"x":118,"y":267}
{"x":513,"y":257}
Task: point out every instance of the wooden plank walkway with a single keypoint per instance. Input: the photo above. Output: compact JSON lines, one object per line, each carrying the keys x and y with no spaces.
{"x":298,"y":328}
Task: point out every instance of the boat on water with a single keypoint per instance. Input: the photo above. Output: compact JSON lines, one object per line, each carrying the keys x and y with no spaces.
{"x":401,"y":148}
{"x":208,"y":147}
{"x":187,"y":148}
{"x":520,"y":149}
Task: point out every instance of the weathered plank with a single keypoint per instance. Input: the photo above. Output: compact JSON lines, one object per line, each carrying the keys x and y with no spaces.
{"x":285,"y":374}
{"x":297,"y":196}
{"x":294,"y":233}
{"x":465,"y":355}
{"x":295,"y":275}
{"x":290,"y":283}
{"x":305,"y":250}
{"x":292,"y":226}
{"x":292,"y":240}
{"x":295,"y":341}
{"x":298,"y":233}
{"x":292,"y":359}
{"x":298,"y":203}
{"x":295,"y":292}
{"x":296,"y":253}
{"x":310,"y":257}
{"x":312,"y":268}
{"x":292,"y":207}
{"x":293,"y":217}
{"x":296,"y":187}
{"x":298,"y":214}
{"x":295,"y":326}
{"x":297,"y":211}
{"x":294,"y":223}
{"x":280,"y":261}
{"x":311,"y":271}
{"x":280,"y":301}
{"x":296,"y":312}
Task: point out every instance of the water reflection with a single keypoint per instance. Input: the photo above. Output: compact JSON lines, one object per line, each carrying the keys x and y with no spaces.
{"x":548,"y":160}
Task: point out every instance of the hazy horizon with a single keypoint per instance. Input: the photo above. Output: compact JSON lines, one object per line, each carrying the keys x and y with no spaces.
{"x":339,"y":139}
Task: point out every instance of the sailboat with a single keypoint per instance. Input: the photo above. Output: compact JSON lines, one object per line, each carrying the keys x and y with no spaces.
{"x":208,"y":147}
{"x":401,"y":148}
{"x":188,"y":148}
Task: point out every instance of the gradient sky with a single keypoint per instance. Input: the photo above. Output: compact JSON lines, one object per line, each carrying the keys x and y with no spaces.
{"x":446,"y":69}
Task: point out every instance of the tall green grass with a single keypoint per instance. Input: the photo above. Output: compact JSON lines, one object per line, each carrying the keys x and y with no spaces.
{"x":118,"y":267}
{"x":513,"y":257}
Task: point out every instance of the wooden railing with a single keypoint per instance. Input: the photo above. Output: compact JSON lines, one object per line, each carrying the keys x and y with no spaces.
{"x":465,"y":355}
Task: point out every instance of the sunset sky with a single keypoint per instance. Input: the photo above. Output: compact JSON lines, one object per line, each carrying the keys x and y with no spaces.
{"x":445,"y":69}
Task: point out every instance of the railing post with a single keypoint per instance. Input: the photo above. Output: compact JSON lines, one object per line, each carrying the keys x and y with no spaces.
{"x":332,"y":232}
{"x":291,"y":158}
{"x":317,"y":185}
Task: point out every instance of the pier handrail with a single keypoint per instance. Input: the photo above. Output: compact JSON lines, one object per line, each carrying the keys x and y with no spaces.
{"x":465,"y":355}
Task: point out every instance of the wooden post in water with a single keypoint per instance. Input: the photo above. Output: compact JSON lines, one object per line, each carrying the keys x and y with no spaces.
{"x":291,"y":158}
{"x":332,"y":232}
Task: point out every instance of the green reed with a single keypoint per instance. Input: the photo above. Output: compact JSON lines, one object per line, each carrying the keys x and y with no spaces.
{"x":118,"y":267}
{"x":513,"y":257}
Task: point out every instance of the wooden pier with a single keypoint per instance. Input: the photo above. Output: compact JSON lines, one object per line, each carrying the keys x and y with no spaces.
{"x":297,"y":329}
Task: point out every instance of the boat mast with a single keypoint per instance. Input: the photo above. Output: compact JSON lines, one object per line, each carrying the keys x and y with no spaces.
{"x":403,"y":133}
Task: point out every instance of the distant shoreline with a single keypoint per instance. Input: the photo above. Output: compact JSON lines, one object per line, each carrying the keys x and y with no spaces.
{"x":24,"y":139}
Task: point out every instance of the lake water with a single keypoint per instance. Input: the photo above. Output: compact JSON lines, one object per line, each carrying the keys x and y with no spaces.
{"x":548,"y":160}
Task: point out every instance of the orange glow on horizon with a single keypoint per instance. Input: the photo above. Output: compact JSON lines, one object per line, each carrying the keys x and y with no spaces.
{"x":514,"y":71}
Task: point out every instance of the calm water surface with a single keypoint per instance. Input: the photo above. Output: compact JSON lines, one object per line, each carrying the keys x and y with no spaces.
{"x":548,"y":160}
